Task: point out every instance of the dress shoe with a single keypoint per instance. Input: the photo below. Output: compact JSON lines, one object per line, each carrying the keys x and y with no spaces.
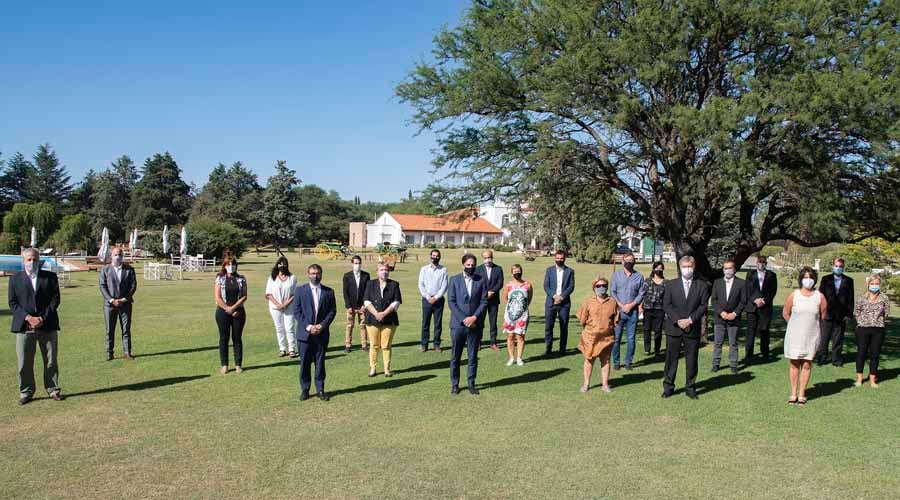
{"x":547,"y":353}
{"x":56,"y":396}
{"x":437,"y":348}
{"x":495,"y":348}
{"x":473,"y":391}
{"x":304,"y":395}
{"x":24,"y":399}
{"x":714,"y":369}
{"x":323,"y":396}
{"x":127,"y":356}
{"x":734,"y":370}
{"x":347,"y":349}
{"x":667,"y":394}
{"x":838,"y":364}
{"x":616,"y":366}
{"x":454,"y":390}
{"x":109,"y":356}
{"x":691,"y":394}
{"x":646,"y":353}
{"x":628,"y":367}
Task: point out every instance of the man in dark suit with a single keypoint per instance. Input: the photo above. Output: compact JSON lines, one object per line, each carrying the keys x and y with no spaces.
{"x":762,"y":285}
{"x":355,"y":282}
{"x":314,"y":309}
{"x":33,"y":301}
{"x":559,"y":283}
{"x":684,"y":303}
{"x":728,"y":297}
{"x":493,"y":277}
{"x":838,"y":292}
{"x":117,"y":285}
{"x":468,"y":301}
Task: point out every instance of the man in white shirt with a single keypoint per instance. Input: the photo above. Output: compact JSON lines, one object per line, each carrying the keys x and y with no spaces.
{"x":118,"y":284}
{"x":493,"y":278}
{"x":432,"y":287}
{"x":728,"y":298}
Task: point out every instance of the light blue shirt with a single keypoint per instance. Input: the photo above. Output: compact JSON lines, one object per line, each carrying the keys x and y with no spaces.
{"x":433,"y":281}
{"x":625,"y":289}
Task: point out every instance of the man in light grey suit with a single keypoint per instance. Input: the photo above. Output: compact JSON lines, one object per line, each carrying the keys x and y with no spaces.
{"x":117,"y":284}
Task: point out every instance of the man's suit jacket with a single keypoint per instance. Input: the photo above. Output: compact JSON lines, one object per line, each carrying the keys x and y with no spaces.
{"x":677,"y":306}
{"x":305,"y":312}
{"x":840,"y":301}
{"x":112,"y":288}
{"x":768,"y":291}
{"x":495,"y":283}
{"x":353,"y":295}
{"x":734,"y":303}
{"x":463,"y":304}
{"x":25,"y":300}
{"x":568,"y":284}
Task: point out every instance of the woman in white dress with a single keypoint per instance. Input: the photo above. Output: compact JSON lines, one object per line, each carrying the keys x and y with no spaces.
{"x":280,"y":294}
{"x":803,"y":310}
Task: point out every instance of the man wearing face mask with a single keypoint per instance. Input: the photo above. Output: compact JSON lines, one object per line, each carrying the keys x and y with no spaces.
{"x":559,"y":283}
{"x":627,"y":289}
{"x":728,"y":304}
{"x":33,"y":302}
{"x":118,"y":284}
{"x":838,"y":291}
{"x":493,"y":277}
{"x":355,"y":283}
{"x":762,"y":285}
{"x":468,"y":300}
{"x":432,"y":286}
{"x":314,"y":309}
{"x":684,"y":302}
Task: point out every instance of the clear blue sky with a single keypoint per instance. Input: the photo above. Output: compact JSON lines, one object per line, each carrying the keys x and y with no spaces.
{"x":307,"y":82}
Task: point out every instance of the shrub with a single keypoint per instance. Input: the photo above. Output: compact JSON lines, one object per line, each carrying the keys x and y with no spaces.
{"x":9,"y":244}
{"x":212,"y":238}
{"x":74,"y":233}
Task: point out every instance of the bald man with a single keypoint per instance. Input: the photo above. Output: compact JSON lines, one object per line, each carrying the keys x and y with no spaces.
{"x":493,"y":277}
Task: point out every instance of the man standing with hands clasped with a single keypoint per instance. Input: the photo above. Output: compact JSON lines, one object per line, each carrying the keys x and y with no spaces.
{"x":728,"y":303}
{"x":685,"y":303}
{"x":468,"y":301}
{"x":762,"y":285}
{"x":559,"y":283}
{"x":314,"y":308}
{"x":117,"y":285}
{"x":493,"y":278}
{"x":627,"y":289}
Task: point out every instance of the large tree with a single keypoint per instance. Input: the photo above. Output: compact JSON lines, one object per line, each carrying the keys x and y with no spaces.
{"x":50,"y":181}
{"x":730,"y":122}
{"x":282,"y":222}
{"x":15,"y":181}
{"x":161,"y":196}
{"x":232,"y":194}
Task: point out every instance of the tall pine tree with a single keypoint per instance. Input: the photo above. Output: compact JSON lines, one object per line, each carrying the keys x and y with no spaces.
{"x":161,"y":196}
{"x":50,"y":182}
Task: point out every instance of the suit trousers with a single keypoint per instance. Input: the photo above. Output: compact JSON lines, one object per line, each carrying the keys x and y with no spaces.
{"x":435,"y":310}
{"x":470,"y":338}
{"x":758,"y":326}
{"x":380,"y":339}
{"x":122,"y":315}
{"x":312,"y":351}
{"x":719,"y":331}
{"x":492,"y":310}
{"x":26,"y":346}
{"x":673,"y":352}
{"x":355,"y":316}
{"x":551,"y":313}
{"x":832,"y":331}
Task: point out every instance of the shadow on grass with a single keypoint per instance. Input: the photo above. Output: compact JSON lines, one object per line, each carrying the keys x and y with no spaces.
{"x":634,"y":378}
{"x":387,"y":384}
{"x":288,"y":362}
{"x":178,"y":351}
{"x":140,"y":386}
{"x":825,"y":389}
{"x":722,"y":381}
{"x":525,"y":378}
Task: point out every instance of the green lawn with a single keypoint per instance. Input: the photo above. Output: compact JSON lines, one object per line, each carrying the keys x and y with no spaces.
{"x":168,"y":425}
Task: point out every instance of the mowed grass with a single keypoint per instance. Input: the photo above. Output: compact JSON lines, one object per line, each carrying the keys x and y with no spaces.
{"x":168,"y":425}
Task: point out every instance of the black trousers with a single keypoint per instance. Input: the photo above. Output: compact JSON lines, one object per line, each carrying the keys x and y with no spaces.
{"x":492,"y":309}
{"x":758,"y":326}
{"x":832,"y":331}
{"x":230,"y":327}
{"x":436,"y":311}
{"x":312,"y":351}
{"x":673,"y":351}
{"x":653,"y":326}
{"x":551,"y":313}
{"x":869,"y":340}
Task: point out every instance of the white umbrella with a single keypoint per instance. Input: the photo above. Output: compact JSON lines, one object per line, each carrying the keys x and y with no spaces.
{"x":165,"y":239}
{"x":104,"y":252}
{"x":184,"y":247}
{"x":134,"y":239}
{"x":33,"y":237}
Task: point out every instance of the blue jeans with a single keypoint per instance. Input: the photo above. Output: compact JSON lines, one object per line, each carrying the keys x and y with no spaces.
{"x":629,"y":322}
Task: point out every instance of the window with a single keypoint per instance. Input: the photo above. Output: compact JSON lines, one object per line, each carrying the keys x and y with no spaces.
{"x":429,"y":238}
{"x":410,"y":239}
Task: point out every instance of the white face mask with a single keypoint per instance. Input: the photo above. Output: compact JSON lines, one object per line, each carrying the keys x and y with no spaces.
{"x":356,"y":268}
{"x":229,"y":269}
{"x":33,"y":267}
{"x":729,"y":273}
{"x":687,"y":272}
{"x":117,"y":260}
{"x":808,"y":283}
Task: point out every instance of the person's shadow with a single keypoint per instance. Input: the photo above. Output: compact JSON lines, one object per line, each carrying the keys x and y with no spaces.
{"x":825,"y":389}
{"x":387,"y":384}
{"x":139,"y":386}
{"x":524,"y":378}
{"x":724,"y":380}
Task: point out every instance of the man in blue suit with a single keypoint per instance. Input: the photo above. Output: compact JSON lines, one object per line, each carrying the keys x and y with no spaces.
{"x":559,"y":283}
{"x":468,"y":303}
{"x":314,"y":309}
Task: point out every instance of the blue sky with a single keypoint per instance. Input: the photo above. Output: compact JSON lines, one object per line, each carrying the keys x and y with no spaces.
{"x":307,"y":82}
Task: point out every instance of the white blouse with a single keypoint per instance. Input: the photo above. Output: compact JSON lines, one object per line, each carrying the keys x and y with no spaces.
{"x":280,"y":290}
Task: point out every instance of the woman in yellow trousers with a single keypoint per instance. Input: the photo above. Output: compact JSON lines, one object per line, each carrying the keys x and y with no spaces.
{"x":381,"y":300}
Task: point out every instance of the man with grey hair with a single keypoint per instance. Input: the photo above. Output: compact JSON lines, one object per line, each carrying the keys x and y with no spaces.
{"x":684,"y":303}
{"x":117,"y":285}
{"x":33,"y":301}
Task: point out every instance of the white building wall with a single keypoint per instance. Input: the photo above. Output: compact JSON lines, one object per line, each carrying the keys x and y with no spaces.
{"x":384,"y":229}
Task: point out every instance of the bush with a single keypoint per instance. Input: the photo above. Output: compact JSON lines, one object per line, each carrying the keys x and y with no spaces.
{"x":212,"y":238}
{"x":9,"y":244}
{"x":74,"y":233}
{"x":498,"y":247}
{"x":19,"y":220}
{"x":891,"y":285}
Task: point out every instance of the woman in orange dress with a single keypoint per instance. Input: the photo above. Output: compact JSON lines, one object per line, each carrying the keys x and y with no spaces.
{"x":598,"y":316}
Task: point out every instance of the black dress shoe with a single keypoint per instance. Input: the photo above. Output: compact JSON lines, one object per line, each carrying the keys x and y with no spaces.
{"x":667,"y":394}
{"x":838,"y":364}
{"x":714,"y":369}
{"x":109,"y":356}
{"x":734,"y":370}
{"x":454,"y":390}
{"x":304,"y":395}
{"x":347,"y":349}
{"x":692,"y":394}
{"x":473,"y":391}
{"x":24,"y":400}
{"x":323,"y":396}
{"x":616,"y":366}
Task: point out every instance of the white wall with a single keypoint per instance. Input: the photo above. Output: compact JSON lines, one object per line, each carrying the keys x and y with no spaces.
{"x":385,"y":228}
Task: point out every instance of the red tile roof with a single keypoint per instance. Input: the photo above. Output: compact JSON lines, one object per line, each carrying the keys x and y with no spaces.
{"x":459,"y":221}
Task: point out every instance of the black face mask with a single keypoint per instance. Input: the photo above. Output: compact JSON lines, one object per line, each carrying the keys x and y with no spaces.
{"x":282,"y":266}
{"x":628,"y":265}
{"x":469,"y":270}
{"x":560,"y":263}
{"x":517,"y":276}
{"x":314,"y":280}
{"x":435,"y":260}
